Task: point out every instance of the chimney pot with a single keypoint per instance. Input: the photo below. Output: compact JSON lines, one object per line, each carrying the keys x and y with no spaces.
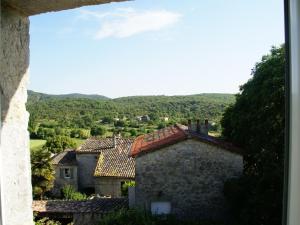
{"x":206,"y":123}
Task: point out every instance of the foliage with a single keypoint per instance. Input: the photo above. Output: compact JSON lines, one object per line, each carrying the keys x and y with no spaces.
{"x":68,"y":114}
{"x":136,"y":217}
{"x":59,"y":143}
{"x":47,"y":221}
{"x":256,"y":122}
{"x":98,"y":131}
{"x":42,"y":172}
{"x":69,"y":193}
{"x":125,"y":185}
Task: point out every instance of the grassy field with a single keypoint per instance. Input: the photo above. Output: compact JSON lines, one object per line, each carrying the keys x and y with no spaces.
{"x":36,"y":143}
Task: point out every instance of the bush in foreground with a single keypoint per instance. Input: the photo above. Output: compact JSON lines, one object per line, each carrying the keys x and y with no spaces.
{"x":136,"y":217}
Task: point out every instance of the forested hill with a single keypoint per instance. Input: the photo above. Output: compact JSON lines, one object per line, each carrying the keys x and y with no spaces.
{"x":36,"y":96}
{"x":83,"y":111}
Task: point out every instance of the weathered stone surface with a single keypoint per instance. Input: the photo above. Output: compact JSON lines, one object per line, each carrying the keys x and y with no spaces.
{"x":60,"y":181}
{"x":86,"y":168}
{"x":109,"y":186}
{"x":16,"y":194}
{"x":190,"y":175}
{"x":32,"y":7}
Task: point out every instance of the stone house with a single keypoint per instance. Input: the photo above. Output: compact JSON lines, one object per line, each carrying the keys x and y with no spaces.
{"x":100,"y":166}
{"x":65,"y":168}
{"x":182,"y":171}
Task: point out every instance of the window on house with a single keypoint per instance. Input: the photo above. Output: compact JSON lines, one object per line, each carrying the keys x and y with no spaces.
{"x":67,"y":173}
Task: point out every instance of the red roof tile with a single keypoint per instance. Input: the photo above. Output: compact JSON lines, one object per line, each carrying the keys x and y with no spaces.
{"x":172,"y":135}
{"x":158,"y":139}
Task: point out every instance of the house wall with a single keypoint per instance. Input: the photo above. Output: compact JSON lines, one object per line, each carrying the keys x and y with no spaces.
{"x":109,"y":186}
{"x":190,"y":175}
{"x":16,"y":192}
{"x":86,"y":167}
{"x":60,"y":182}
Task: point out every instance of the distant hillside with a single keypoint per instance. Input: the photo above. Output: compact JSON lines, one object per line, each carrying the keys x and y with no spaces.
{"x":82,"y":111}
{"x":36,"y":96}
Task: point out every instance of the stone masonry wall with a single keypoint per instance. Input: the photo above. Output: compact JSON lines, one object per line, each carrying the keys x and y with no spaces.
{"x":86,"y":167}
{"x":60,"y":182}
{"x":109,"y":186}
{"x":190,"y":175}
{"x":16,"y":193}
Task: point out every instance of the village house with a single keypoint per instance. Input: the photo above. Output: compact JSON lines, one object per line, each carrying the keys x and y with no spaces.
{"x":99,"y":166}
{"x":181,"y":170}
{"x":178,"y":169}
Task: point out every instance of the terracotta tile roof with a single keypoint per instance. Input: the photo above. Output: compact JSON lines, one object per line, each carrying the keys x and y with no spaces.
{"x":115,"y":162}
{"x":172,"y":135}
{"x":67,"y":157}
{"x":70,"y":206}
{"x":95,"y":145}
{"x":158,"y":139}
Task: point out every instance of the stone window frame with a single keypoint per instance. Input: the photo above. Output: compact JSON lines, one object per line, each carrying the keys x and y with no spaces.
{"x":292,"y":181}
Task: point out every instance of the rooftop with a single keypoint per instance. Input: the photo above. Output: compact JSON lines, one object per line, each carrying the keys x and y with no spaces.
{"x":67,"y":157}
{"x":102,"y":205}
{"x":96,"y":145}
{"x":172,"y":135}
{"x":115,"y":162}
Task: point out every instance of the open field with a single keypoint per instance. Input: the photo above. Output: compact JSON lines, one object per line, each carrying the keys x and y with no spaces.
{"x":36,"y":143}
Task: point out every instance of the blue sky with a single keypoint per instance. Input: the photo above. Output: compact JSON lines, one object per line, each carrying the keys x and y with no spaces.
{"x":142,"y":47}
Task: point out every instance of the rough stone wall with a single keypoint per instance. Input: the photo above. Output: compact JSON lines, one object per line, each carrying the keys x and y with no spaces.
{"x":86,"y":167}
{"x":190,"y":175}
{"x":60,"y":182}
{"x":109,"y":186}
{"x":16,"y":193}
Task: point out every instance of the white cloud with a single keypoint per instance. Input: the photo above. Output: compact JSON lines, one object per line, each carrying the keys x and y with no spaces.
{"x":126,"y":22}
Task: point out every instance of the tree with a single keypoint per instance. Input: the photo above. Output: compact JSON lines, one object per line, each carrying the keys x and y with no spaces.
{"x":57,"y":144}
{"x":42,"y":174}
{"x":98,"y":131}
{"x":256,"y":122}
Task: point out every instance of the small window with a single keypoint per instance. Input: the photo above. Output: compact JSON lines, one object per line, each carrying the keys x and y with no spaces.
{"x":67,"y":173}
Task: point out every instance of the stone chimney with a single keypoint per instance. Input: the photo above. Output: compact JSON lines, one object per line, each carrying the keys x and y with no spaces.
{"x":198,"y":126}
{"x":190,"y":124}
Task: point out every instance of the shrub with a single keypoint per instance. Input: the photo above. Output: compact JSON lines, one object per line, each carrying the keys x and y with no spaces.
{"x":47,"y":221}
{"x":137,"y":217}
{"x":69,"y":193}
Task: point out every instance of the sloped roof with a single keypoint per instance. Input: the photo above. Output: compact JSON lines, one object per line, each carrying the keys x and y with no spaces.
{"x":102,"y":205}
{"x":115,"y":162}
{"x":67,"y":157}
{"x":96,"y":145}
{"x":172,"y":135}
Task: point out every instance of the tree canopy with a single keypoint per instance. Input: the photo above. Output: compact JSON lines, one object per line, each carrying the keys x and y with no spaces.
{"x":256,"y":122}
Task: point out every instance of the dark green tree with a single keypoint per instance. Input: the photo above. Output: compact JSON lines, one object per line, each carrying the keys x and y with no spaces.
{"x":57,"y":144}
{"x":256,"y":122}
{"x":42,"y":174}
{"x":98,"y":131}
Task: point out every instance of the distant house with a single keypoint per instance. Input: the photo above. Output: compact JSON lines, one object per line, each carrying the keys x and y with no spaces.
{"x":144,"y":118}
{"x":98,"y":166}
{"x":182,"y":171}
